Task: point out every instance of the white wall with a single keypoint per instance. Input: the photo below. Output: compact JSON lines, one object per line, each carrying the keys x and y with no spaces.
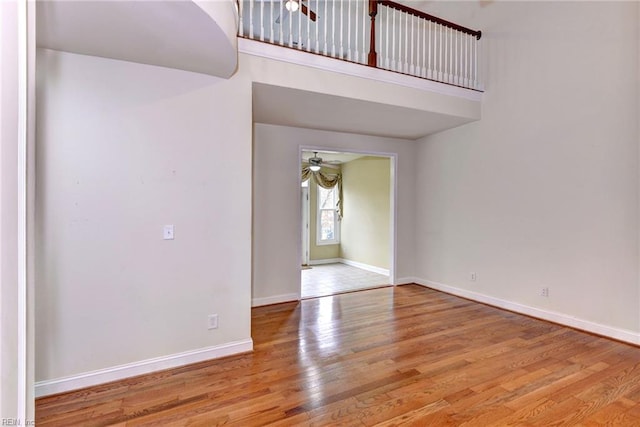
{"x":124,"y":149}
{"x":543,"y":191}
{"x":276,"y":211}
{"x":17,"y":130}
{"x":9,"y":209}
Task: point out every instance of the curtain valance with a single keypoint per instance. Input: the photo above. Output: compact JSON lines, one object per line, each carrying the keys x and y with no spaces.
{"x":327,"y":181}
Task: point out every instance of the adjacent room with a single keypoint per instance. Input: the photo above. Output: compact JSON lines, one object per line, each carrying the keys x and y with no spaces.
{"x":345,"y":252}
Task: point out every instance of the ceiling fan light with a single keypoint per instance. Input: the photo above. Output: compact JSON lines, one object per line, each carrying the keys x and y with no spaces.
{"x":314,"y":168}
{"x":292,"y":5}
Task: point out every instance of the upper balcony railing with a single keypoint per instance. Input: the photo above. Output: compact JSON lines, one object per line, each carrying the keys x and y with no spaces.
{"x":403,"y":39}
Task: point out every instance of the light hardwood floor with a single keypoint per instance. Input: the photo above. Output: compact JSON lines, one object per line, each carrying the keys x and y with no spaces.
{"x":390,"y":356}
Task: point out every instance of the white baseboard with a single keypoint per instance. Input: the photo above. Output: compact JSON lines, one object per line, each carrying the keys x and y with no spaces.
{"x":276,"y":299}
{"x":552,"y":316}
{"x":363,"y":266}
{"x":101,"y":376}
{"x":406,"y":280}
{"x":325,"y":261}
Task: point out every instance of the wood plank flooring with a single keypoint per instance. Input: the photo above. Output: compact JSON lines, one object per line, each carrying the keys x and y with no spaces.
{"x":390,"y":356}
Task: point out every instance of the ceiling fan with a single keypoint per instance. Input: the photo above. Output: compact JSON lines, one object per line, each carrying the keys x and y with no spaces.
{"x":315,"y":163}
{"x":294,"y":6}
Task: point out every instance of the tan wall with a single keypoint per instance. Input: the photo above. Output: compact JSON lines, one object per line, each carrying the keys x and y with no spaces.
{"x":367,"y":211}
{"x":318,"y":252}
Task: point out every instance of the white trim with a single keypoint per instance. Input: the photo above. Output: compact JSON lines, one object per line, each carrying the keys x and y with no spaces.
{"x":405,"y":281}
{"x":325,"y":261}
{"x":293,"y":56}
{"x":304,"y":199}
{"x":101,"y":376}
{"x":552,"y":316}
{"x":23,"y":114}
{"x":336,"y":220}
{"x":394,"y":199}
{"x":393,"y":232}
{"x":276,"y":299}
{"x":363,"y":266}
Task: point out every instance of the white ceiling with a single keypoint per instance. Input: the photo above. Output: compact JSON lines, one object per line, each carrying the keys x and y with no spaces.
{"x":332,"y":157}
{"x":194,"y":36}
{"x":299,"y":108}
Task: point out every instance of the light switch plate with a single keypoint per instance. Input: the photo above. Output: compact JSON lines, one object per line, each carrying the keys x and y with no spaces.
{"x":168,"y":232}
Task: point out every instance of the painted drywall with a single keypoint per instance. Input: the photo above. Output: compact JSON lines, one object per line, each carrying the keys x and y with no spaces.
{"x":17,"y":178}
{"x":367,"y":206}
{"x":276,"y":209}
{"x":9,"y":209}
{"x":318,"y":252}
{"x":122,"y":150}
{"x":543,"y":191}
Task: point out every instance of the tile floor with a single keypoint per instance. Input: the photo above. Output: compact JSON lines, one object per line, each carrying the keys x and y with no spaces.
{"x":330,"y":279}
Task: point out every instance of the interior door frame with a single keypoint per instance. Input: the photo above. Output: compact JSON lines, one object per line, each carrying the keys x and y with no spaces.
{"x":304,"y":205}
{"x":393,"y":226}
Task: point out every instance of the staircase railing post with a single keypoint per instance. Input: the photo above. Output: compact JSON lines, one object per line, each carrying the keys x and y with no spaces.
{"x":373,"y":55}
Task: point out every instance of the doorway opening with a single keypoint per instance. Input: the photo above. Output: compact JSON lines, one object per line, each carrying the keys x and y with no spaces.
{"x":347,"y":214}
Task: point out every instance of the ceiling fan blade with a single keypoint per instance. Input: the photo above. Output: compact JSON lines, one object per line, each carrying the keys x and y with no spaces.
{"x":310,"y":13}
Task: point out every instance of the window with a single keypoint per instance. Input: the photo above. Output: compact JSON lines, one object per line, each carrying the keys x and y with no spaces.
{"x":328,"y":230}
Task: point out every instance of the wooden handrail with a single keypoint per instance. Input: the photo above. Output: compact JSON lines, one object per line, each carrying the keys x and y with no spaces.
{"x":428,"y":17}
{"x":445,"y":52}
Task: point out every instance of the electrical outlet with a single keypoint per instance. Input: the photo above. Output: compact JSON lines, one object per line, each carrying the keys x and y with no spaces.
{"x":473,"y":276}
{"x":544,"y":292}
{"x":212,"y":321}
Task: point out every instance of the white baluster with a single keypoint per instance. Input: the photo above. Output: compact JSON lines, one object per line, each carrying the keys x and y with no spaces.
{"x":271,"y":22}
{"x":281,"y":29}
{"x":393,"y":39}
{"x":349,"y":31}
{"x":452,"y":59}
{"x":241,"y":13}
{"x":333,"y":28}
{"x":447,"y":55}
{"x":466,"y":60}
{"x":387,"y":12}
{"x":400,"y":44}
{"x":472,"y":58}
{"x":290,"y":15}
{"x":251,"y":19}
{"x":365,"y":15}
{"x":262,"y":21}
{"x":317,"y":29}
{"x":326,"y":19}
{"x":405,"y":60}
{"x":412,"y":70}
{"x":356,"y":51}
{"x":456,"y":58}
{"x":308,"y":44}
{"x":423,"y":68}
{"x":429,"y":52}
{"x":478,"y":69}
{"x":441,"y":53}
{"x":341,"y":48}
{"x":299,"y":15}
